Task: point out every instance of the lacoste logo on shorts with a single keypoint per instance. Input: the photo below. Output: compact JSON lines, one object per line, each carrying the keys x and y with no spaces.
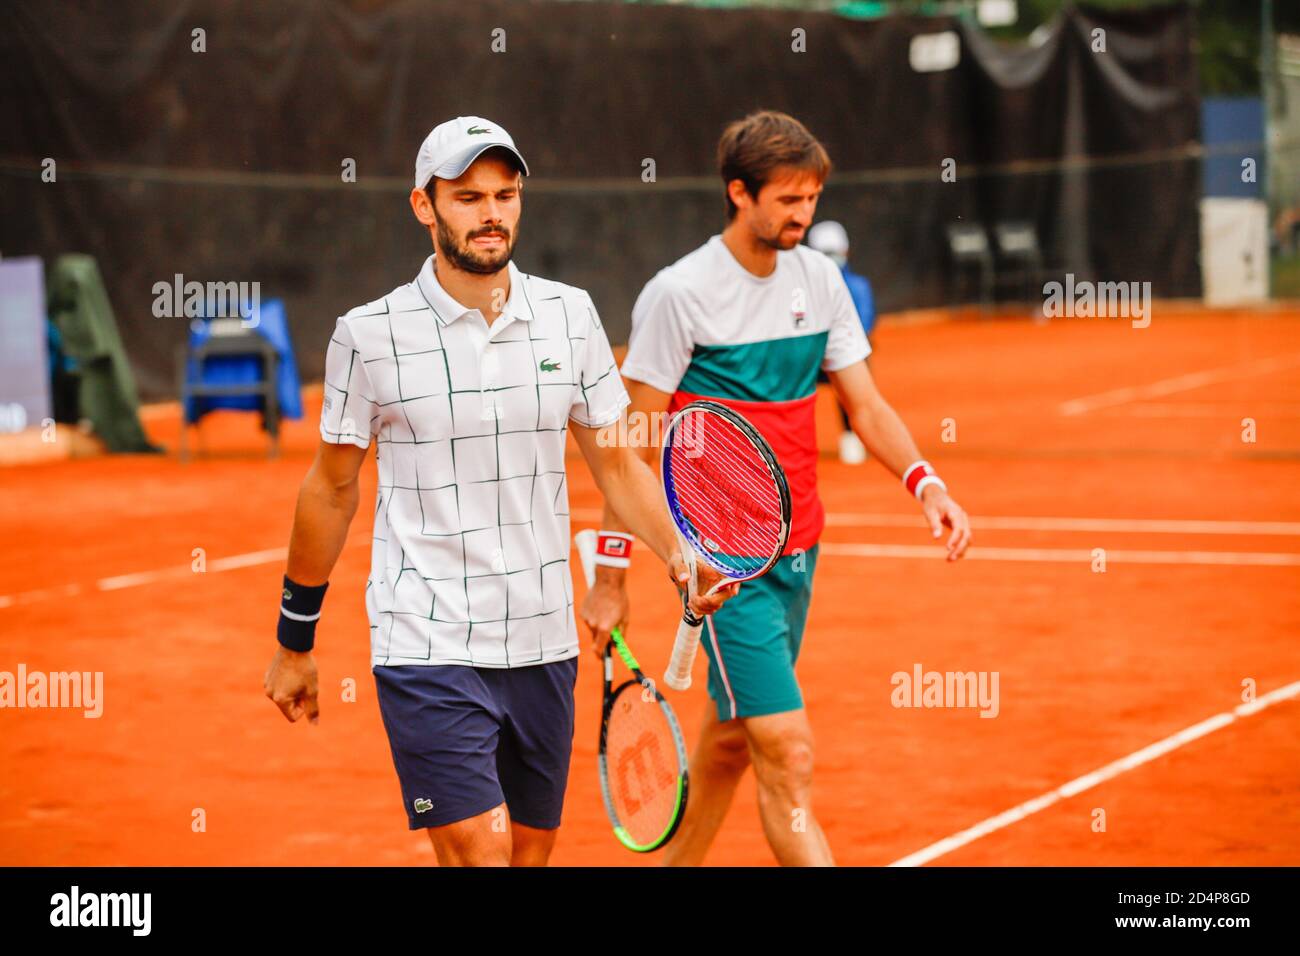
{"x":548,"y":366}
{"x":423,"y":805}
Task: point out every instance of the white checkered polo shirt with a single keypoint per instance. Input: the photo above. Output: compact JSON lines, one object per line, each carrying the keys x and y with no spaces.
{"x":469,"y":563}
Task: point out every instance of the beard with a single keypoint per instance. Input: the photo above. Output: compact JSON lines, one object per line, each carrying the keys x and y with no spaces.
{"x":780,"y":240}
{"x":461,"y":255}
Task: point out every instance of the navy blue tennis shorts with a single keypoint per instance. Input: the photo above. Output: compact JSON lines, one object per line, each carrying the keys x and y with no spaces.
{"x":466,"y":739}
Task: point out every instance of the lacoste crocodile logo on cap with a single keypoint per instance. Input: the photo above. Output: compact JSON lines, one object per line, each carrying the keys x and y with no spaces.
{"x":477,"y":130}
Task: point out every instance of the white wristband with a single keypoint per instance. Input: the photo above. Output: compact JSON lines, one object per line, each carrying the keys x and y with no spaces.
{"x":918,"y":475}
{"x":929,"y":480}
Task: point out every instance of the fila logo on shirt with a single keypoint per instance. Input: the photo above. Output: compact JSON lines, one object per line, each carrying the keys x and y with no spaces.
{"x":799,"y":308}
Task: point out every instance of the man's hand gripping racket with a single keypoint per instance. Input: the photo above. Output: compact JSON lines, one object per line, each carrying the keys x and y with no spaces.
{"x":730,"y":506}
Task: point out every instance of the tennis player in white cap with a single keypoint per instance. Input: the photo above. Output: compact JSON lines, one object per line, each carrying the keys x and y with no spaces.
{"x":467,"y":379}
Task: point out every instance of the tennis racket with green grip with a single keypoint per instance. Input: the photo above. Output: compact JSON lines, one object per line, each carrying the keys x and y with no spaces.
{"x":642,"y":756}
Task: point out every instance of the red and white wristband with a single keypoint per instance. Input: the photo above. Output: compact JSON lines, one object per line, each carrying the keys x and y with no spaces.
{"x":613,"y":549}
{"x":919,"y":475}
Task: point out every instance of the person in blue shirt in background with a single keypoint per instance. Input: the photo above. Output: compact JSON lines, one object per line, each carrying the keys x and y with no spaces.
{"x":831,"y":239}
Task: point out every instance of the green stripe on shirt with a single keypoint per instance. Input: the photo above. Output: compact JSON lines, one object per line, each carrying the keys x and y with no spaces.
{"x":777,"y":370}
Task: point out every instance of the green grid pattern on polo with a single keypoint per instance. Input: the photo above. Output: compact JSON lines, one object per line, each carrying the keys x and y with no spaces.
{"x":469,"y":563}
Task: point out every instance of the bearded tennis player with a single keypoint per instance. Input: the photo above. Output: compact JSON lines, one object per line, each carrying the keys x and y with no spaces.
{"x":467,"y":380}
{"x":747,"y":320}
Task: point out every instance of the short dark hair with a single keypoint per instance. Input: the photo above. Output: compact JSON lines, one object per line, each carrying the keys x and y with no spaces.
{"x":751,"y":148}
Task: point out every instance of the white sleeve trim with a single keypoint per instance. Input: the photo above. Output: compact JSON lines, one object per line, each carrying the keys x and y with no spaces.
{"x":610,"y":417}
{"x":344,"y":439}
{"x":649,"y":376}
{"x":843,"y":365}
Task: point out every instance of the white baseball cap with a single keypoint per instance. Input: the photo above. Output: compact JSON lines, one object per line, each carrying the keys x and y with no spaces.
{"x":830,"y":238}
{"x":452,"y":146}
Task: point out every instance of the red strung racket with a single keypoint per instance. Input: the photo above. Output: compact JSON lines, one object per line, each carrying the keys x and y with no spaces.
{"x":730,"y":504}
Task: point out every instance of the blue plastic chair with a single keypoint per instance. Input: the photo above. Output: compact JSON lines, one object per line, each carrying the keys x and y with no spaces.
{"x":240,"y":364}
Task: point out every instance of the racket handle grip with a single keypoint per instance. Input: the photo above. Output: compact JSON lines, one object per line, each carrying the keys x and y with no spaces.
{"x":678,"y":675}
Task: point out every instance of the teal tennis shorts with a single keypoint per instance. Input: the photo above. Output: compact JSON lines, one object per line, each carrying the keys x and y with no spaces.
{"x":753,"y":641}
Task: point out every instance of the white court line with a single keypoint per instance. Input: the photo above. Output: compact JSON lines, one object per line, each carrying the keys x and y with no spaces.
{"x":1179,"y":383}
{"x":1096,"y":777}
{"x":1212,"y":410}
{"x":1015,"y":523}
{"x":1065,"y":555}
{"x":44,"y":594}
{"x":840,"y":519}
{"x":218,"y":564}
{"x":925,"y":552}
{"x":229,"y":563}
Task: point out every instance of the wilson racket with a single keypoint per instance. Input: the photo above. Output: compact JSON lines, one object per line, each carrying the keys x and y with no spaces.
{"x":730,"y":504}
{"x":642,"y":757}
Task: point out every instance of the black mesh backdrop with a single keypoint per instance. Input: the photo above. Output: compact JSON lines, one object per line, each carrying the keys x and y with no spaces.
{"x":225,"y":165}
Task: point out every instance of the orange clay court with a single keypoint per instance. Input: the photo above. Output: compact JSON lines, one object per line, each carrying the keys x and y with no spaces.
{"x":1073,"y":436}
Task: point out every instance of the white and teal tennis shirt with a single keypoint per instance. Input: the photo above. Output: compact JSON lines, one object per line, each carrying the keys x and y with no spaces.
{"x":469,"y":563}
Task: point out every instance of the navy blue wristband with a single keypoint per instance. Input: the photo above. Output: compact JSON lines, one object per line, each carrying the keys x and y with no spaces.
{"x":299,"y":612}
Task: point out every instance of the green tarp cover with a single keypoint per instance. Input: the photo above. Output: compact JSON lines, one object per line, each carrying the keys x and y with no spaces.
{"x":79,"y":307}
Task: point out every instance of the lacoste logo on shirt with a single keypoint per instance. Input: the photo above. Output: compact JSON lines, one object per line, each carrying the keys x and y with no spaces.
{"x":423,"y":804}
{"x":548,"y":366}
{"x":475,"y":130}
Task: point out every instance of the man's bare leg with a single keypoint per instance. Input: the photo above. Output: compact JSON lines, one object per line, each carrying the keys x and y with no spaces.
{"x":472,"y":842}
{"x":781,"y":748}
{"x":720,"y":759}
{"x":531,"y":846}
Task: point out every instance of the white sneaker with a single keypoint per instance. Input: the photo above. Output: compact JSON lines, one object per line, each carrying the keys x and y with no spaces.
{"x":852,"y":451}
